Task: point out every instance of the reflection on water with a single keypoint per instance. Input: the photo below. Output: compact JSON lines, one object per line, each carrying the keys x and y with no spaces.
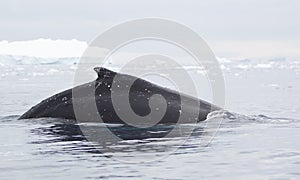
{"x":158,"y":141}
{"x":55,"y":148}
{"x":131,"y":144}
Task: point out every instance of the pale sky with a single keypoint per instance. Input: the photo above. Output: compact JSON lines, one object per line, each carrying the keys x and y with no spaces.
{"x":231,"y":27}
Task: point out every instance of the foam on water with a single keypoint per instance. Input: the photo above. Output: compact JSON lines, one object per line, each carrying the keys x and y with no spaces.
{"x":227,"y":116}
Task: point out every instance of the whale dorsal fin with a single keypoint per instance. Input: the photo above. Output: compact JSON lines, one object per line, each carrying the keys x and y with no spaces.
{"x":103,"y":72}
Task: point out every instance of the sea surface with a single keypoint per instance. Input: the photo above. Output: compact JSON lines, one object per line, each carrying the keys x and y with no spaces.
{"x":258,"y":135}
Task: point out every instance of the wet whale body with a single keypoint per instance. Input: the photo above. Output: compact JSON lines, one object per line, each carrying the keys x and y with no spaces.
{"x":61,"y":105}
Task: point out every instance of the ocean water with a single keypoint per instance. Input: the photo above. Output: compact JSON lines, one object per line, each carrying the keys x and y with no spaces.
{"x":258,"y":136}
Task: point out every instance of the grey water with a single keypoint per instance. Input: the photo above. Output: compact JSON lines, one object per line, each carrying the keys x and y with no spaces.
{"x":258,"y":135}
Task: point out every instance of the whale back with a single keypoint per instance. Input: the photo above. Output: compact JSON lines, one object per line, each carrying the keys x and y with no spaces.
{"x":61,"y":104}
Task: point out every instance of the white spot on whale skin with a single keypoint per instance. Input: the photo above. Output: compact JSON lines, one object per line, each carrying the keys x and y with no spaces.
{"x":64,"y":99}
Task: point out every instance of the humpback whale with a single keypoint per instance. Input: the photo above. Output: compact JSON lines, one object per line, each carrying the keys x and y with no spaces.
{"x":61,"y":105}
